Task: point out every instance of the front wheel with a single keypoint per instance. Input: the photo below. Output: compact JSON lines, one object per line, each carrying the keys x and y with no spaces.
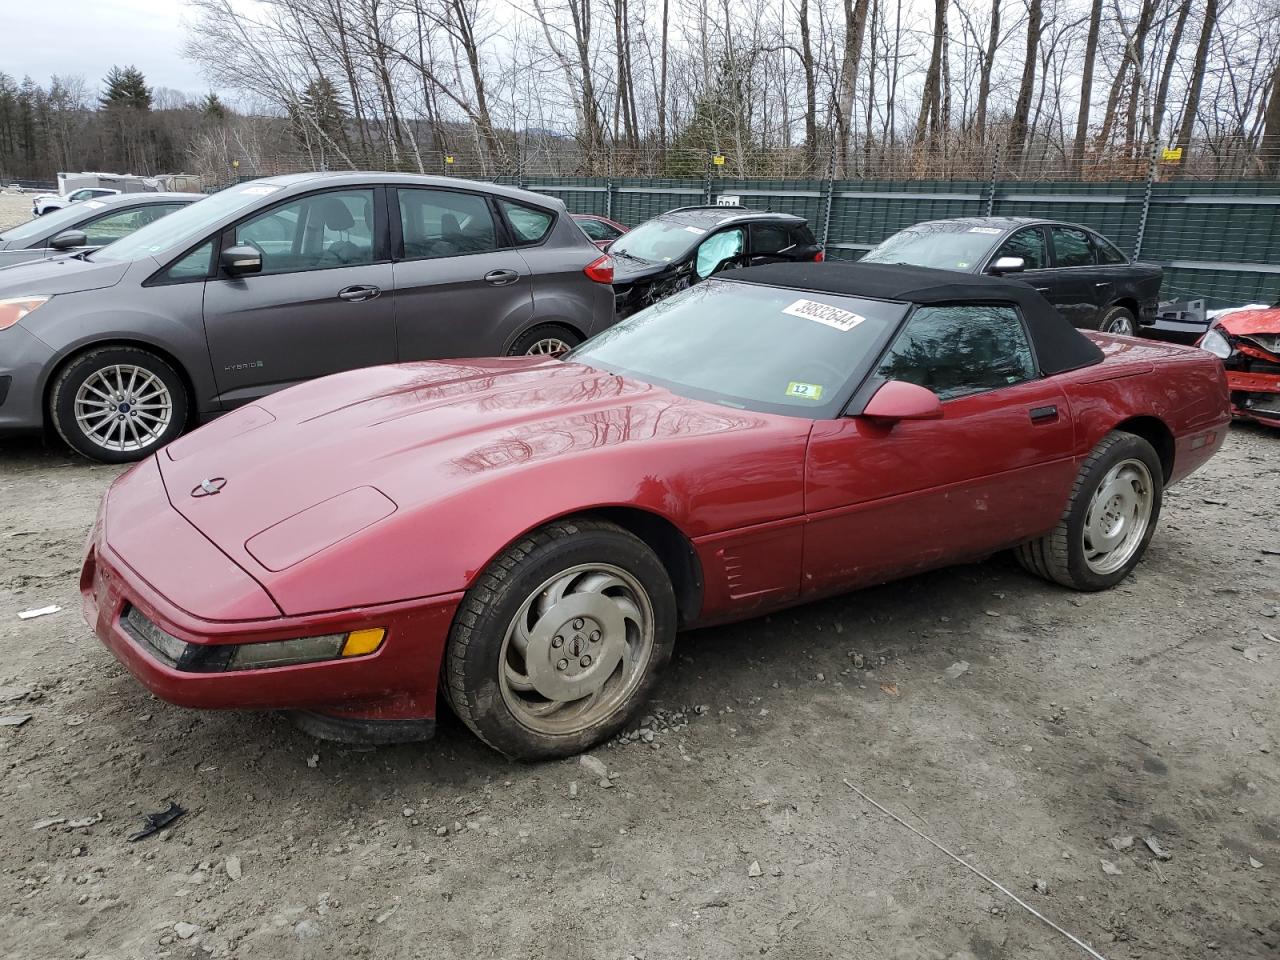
{"x":561,"y":640}
{"x":1110,"y":517}
{"x":118,"y":404}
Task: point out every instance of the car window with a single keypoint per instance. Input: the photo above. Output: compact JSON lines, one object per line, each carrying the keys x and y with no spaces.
{"x":113,"y":226}
{"x":1027,"y":244}
{"x":746,"y":345}
{"x":658,"y":241}
{"x":529,"y":224}
{"x":802,"y":236}
{"x":718,"y":248}
{"x":1071,"y":247}
{"x":599,"y":230}
{"x":1106,"y":250}
{"x":768,"y":238}
{"x":444,"y":223}
{"x":195,"y":265}
{"x":959,"y":350}
{"x":944,"y":244}
{"x":81,"y":195}
{"x":314,"y":232}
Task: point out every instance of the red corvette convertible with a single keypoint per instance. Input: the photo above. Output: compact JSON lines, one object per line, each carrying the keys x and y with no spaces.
{"x":528,"y":534}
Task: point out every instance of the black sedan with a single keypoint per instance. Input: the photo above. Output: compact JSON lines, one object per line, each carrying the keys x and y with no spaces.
{"x":85,"y":226}
{"x":687,"y":245}
{"x":1080,"y":272}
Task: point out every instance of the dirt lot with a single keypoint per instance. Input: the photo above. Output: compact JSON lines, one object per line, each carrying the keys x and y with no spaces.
{"x":1139,"y":712}
{"x":1149,"y":711}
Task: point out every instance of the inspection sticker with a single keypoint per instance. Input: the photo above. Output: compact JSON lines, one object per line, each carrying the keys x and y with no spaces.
{"x":94,"y":204}
{"x":992,"y":231}
{"x":824,"y":313}
{"x":698,"y":230}
{"x":259,"y":191}
{"x":805,"y":391}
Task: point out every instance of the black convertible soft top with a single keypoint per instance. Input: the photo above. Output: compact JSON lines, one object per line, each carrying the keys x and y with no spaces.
{"x":1058,"y":345}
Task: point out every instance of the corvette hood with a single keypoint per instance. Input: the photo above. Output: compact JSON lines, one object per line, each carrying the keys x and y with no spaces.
{"x":59,"y":275}
{"x":277,"y":485}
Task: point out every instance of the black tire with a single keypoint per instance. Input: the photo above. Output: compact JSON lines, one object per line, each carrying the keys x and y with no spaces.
{"x":474,"y":662}
{"x":543,"y":333}
{"x":1121,"y":318}
{"x":1059,"y":556}
{"x":81,"y":369}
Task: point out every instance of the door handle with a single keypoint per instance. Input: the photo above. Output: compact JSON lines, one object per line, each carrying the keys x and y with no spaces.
{"x":1046,"y":414}
{"x":1042,"y":289}
{"x":358,"y":293}
{"x":501,"y":277}
{"x":1104,"y":283}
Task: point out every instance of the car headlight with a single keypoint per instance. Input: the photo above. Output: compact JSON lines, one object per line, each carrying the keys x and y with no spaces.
{"x":1216,"y":344}
{"x":15,"y":308}
{"x":221,"y":657}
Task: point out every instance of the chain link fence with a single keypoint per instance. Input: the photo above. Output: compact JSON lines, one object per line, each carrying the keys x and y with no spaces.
{"x":1207,"y":215}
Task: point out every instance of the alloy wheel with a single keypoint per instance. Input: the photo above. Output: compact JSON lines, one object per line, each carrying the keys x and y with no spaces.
{"x":1118,"y":515}
{"x":123,"y":407}
{"x":576,"y":649}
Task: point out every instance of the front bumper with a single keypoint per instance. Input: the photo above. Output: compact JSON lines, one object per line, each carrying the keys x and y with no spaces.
{"x":394,"y":685}
{"x":24,"y":358}
{"x":1255,"y":396}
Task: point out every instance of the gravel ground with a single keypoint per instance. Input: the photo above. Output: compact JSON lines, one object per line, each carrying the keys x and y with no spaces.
{"x":1147,"y":711}
{"x":14,"y":208}
{"x":1028,"y":729}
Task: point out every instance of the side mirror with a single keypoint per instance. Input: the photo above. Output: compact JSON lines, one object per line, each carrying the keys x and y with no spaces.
{"x":1008,"y":265}
{"x":69,"y":239}
{"x":241,"y":260}
{"x":898,"y":400}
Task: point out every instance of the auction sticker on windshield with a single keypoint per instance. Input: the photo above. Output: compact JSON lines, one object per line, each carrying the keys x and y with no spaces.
{"x":805,"y":391}
{"x":824,"y":313}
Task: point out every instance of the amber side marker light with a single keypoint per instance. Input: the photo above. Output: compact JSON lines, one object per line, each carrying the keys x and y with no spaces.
{"x":362,"y":642}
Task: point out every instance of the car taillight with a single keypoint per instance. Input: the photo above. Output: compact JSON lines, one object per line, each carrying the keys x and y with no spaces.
{"x":600,"y":269}
{"x":819,"y":256}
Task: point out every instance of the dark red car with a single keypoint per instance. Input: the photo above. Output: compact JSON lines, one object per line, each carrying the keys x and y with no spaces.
{"x":526,"y":535}
{"x":599,"y":230}
{"x":1248,"y":343}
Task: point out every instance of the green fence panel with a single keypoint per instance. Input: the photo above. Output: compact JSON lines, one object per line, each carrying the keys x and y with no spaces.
{"x":864,"y":212}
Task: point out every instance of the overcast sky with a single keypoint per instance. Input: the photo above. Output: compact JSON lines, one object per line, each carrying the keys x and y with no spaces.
{"x":87,"y":37}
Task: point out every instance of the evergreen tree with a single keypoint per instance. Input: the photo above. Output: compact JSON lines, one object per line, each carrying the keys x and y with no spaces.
{"x":126,"y":87}
{"x":212,"y":107}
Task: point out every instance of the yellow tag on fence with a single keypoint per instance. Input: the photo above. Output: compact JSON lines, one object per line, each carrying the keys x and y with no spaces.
{"x":1171,"y":154}
{"x":718,"y":160}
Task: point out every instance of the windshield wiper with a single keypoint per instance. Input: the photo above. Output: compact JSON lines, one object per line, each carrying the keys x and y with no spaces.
{"x":629,"y":256}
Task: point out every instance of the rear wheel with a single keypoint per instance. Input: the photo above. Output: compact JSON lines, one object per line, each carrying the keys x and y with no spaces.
{"x":561,"y":640}
{"x":546,"y":339}
{"x":1119,"y":320}
{"x":118,"y":404}
{"x":1110,"y":518}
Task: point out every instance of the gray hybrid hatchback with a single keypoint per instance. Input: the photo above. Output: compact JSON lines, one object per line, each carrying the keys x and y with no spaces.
{"x":276,"y":281}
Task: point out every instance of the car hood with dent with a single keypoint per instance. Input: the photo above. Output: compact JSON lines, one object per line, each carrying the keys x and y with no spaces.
{"x":397,"y":482}
{"x":48,"y":277}
{"x":1244,"y":323}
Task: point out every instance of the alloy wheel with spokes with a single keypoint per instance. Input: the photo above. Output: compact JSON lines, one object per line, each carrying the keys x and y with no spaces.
{"x":1117,"y":517}
{"x":548,"y":346}
{"x":1120,"y":321}
{"x":559,"y":642}
{"x":576,"y":648}
{"x":118,"y":403}
{"x":123,"y":408}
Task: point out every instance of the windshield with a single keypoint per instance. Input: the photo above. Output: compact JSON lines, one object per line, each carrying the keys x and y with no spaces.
{"x":185,"y":226}
{"x":658,"y":241}
{"x":944,"y":245}
{"x":52,"y":222}
{"x":749,"y":346}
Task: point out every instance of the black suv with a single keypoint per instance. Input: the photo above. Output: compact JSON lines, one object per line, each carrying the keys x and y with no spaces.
{"x":681,"y":247}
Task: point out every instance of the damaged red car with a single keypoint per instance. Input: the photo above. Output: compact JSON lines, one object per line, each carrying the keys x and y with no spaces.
{"x":525,"y":536}
{"x":1248,"y":343}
